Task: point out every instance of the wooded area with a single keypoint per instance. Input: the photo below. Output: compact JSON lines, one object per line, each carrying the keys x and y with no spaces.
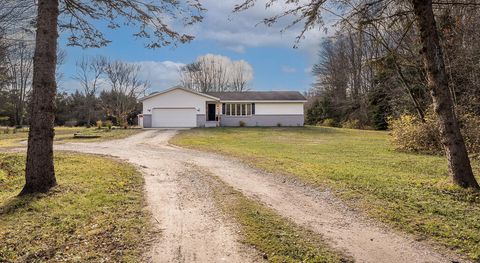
{"x":109,"y":90}
{"x":370,"y":71}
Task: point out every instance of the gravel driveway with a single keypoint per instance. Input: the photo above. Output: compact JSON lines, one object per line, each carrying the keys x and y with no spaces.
{"x":193,"y":230}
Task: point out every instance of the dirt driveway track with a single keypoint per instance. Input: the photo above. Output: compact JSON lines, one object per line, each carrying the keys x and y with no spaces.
{"x":193,"y":230}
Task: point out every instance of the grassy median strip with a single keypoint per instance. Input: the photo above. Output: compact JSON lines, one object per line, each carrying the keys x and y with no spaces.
{"x":411,"y":192}
{"x":95,"y":214}
{"x":13,"y":138}
{"x":279,"y":239}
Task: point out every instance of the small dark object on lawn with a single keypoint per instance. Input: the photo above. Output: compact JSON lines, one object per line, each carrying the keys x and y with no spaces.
{"x":265,"y":256}
{"x":85,"y":136}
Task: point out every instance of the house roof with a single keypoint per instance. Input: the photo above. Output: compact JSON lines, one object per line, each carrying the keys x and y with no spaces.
{"x":240,"y":96}
{"x":258,"y":95}
{"x":174,"y":88}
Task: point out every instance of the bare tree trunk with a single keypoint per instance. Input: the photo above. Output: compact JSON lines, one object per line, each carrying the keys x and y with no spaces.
{"x":40,"y":174}
{"x":451,"y":138}
{"x":89,"y":115}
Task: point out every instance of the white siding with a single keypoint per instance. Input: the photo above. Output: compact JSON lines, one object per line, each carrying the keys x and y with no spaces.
{"x":279,"y":108}
{"x":175,"y":99}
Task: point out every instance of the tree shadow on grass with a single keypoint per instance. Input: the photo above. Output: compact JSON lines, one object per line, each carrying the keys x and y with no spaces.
{"x":15,"y":203}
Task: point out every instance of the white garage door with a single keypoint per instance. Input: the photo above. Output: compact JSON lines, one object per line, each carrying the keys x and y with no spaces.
{"x":174,"y":117}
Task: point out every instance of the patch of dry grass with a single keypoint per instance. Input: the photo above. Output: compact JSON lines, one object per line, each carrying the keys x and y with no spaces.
{"x":277,"y":238}
{"x":15,"y":138}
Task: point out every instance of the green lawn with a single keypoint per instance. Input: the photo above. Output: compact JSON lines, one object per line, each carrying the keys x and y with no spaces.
{"x":411,"y":192}
{"x":65,"y":134}
{"x":95,"y":214}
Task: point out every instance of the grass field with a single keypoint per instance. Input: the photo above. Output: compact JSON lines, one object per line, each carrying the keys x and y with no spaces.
{"x":410,"y":192}
{"x":95,"y":214}
{"x":65,"y":134}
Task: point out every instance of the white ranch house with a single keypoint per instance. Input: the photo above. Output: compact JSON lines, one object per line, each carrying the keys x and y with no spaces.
{"x":179,"y":107}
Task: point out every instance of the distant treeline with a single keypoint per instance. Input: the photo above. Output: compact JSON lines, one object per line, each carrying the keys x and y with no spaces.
{"x":72,"y":111}
{"x":108,"y":90}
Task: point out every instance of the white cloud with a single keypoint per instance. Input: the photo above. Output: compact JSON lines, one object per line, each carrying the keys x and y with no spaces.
{"x":160,"y":74}
{"x":288,"y":69}
{"x":237,"y":48}
{"x":237,"y":31}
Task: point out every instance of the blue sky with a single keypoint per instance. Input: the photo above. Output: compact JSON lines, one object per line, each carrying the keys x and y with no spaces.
{"x":276,"y":65}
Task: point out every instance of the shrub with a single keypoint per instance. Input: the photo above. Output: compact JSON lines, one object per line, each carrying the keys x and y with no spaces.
{"x":241,"y":123}
{"x":470,"y":125}
{"x":352,"y":124}
{"x":329,"y":122}
{"x":99,"y":124}
{"x":408,"y":133}
{"x":109,"y":125}
{"x":7,"y":130}
{"x":71,"y":123}
{"x":279,"y":124}
{"x":4,"y":120}
{"x":319,"y":109}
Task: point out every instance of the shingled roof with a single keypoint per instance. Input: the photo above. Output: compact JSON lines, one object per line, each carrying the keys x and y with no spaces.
{"x":258,"y":95}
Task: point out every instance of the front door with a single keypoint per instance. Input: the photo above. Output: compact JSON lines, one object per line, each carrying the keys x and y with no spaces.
{"x":211,"y":112}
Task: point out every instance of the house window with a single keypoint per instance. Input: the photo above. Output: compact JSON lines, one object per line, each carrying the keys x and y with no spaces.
{"x":238,"y":109}
{"x":228,"y":109}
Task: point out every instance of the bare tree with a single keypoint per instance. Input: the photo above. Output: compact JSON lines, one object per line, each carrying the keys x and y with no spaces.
{"x":207,"y":73}
{"x":17,"y":52}
{"x":240,"y":75}
{"x":61,"y":58}
{"x":125,"y":88}
{"x":190,"y":77}
{"x":3,"y":64}
{"x":216,"y":73}
{"x":311,"y":14}
{"x":20,"y":67}
{"x":16,"y":18}
{"x":149,"y":18}
{"x":89,"y":74}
